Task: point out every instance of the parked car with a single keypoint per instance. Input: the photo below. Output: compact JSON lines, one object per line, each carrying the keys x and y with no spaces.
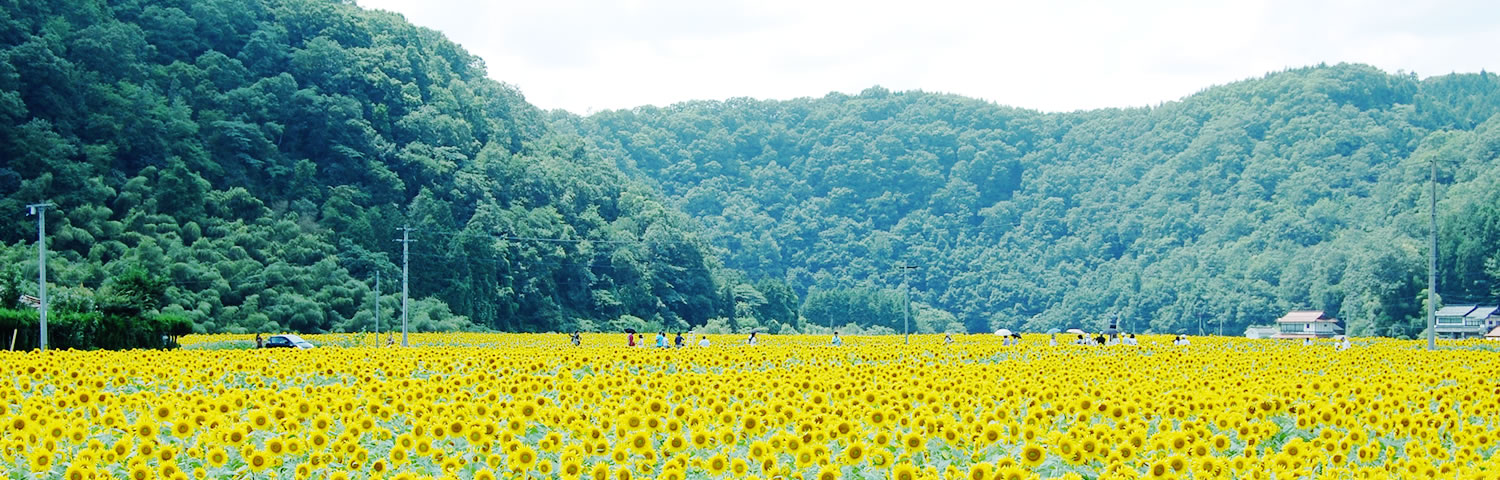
{"x":287,"y":341}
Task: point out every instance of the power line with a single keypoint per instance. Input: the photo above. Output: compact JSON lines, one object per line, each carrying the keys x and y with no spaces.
{"x":590,"y":265}
{"x":521,"y":261}
{"x":509,"y":236}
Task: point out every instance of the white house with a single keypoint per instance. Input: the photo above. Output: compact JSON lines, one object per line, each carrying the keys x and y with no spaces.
{"x":1307,"y":324}
{"x":1454,"y":322}
{"x":1261,"y":331}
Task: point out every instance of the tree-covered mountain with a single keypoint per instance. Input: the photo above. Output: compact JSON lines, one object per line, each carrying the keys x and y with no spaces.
{"x":1303,"y":189}
{"x":260,"y":155}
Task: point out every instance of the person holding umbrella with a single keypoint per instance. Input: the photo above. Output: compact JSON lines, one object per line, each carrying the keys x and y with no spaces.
{"x":1081,"y":339}
{"x":1005,"y":335}
{"x":630,"y":337}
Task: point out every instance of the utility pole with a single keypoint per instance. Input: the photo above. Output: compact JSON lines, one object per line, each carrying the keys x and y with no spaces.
{"x":906,"y":304}
{"x":1432,"y":262}
{"x":405,"y":263}
{"x":40,"y":210}
{"x":377,"y":308}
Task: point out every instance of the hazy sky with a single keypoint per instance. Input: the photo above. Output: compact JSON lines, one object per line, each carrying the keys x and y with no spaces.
{"x":1055,"y":55}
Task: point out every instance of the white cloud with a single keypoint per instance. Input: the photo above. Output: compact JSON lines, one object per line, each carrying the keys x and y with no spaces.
{"x":1054,"y":56}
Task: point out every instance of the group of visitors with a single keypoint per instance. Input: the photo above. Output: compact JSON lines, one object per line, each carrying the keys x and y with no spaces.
{"x":1100,"y":339}
{"x":679,"y":341}
{"x":661,"y":341}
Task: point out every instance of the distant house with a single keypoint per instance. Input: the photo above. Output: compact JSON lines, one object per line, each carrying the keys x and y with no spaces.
{"x":1261,"y":331}
{"x":1306,"y":324}
{"x":1454,"y":322}
{"x":1493,"y":335}
{"x":1486,"y":316}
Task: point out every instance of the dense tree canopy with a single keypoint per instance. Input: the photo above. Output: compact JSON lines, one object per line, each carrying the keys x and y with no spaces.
{"x":261,"y":155}
{"x":248,"y":164}
{"x":1302,"y":189}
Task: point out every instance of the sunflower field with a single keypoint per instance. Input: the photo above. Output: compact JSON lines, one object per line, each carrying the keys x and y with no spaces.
{"x":487,"y":406}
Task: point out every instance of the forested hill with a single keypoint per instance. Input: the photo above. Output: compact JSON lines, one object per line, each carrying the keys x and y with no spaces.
{"x":1302,"y":189}
{"x":260,"y":155}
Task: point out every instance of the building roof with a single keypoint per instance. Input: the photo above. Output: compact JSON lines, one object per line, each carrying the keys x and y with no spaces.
{"x":1454,"y":311}
{"x":1304,"y":316}
{"x":1483,"y":312}
{"x":1493,"y":333}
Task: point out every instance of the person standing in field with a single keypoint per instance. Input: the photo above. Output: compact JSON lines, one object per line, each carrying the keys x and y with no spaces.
{"x":703,"y":341}
{"x":679,"y":342}
{"x":576,"y":338}
{"x":661,"y":339}
{"x":836,"y":340}
{"x":630,"y":339}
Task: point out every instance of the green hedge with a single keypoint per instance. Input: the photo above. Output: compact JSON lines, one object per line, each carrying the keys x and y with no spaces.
{"x":90,"y":331}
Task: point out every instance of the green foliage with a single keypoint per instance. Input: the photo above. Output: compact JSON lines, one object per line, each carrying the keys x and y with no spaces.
{"x":92,"y":330}
{"x":10,"y":289}
{"x":250,"y":162}
{"x":133,"y":293}
{"x":862,"y":306}
{"x":1302,"y":189}
{"x":781,"y":303}
{"x":258,"y":157}
{"x":1492,"y":267}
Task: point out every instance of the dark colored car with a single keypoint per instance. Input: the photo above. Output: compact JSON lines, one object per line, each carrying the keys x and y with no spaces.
{"x":287,"y":341}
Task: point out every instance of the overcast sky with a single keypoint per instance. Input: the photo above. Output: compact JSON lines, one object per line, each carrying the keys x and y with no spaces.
{"x":1058,"y":55}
